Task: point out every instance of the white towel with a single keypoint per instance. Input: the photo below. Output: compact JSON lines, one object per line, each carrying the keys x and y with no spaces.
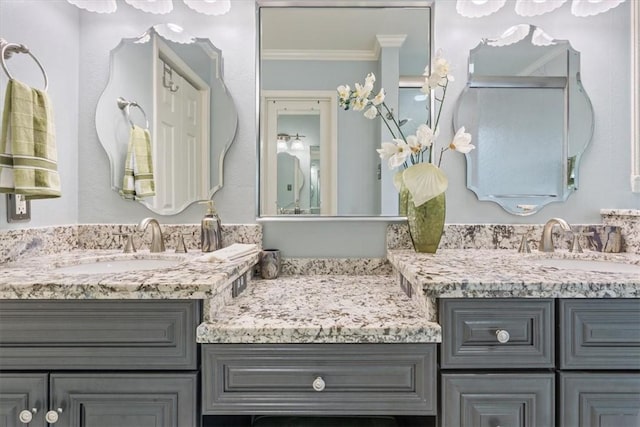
{"x":231,"y":253}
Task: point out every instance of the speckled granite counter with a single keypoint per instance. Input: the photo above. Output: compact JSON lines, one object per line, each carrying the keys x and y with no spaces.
{"x":321,"y":309}
{"x":457,"y":273}
{"x":36,"y":277}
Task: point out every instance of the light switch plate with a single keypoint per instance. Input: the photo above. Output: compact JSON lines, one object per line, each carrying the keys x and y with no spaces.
{"x":18,"y":208}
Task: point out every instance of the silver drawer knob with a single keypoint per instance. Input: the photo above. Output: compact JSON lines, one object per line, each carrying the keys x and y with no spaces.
{"x":25,"y":416}
{"x":503,"y":336}
{"x":318,"y":384}
{"x":52,"y":416}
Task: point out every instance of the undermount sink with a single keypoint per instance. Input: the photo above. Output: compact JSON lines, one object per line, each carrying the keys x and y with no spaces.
{"x":117,"y":266}
{"x":589,"y":265}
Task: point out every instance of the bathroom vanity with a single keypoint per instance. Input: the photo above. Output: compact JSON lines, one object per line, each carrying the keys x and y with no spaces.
{"x":462,"y":337}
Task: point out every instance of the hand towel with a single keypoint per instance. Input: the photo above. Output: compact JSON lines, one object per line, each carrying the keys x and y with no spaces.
{"x":28,"y":155}
{"x":231,"y":253}
{"x":138,"y":168}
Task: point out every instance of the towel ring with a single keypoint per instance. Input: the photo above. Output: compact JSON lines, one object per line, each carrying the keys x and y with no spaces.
{"x":125,"y":106}
{"x":8,"y":49}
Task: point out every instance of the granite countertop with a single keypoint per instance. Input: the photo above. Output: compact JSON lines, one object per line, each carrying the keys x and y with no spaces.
{"x":321,"y":309}
{"x":37,"y":278}
{"x":462,"y":273}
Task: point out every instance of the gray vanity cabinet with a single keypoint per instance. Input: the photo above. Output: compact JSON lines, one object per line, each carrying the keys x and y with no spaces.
{"x":481,"y":340}
{"x":312,"y":379}
{"x":602,"y":336}
{"x":95,"y":363}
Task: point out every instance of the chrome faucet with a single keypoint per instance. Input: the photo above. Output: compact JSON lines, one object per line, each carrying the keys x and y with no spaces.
{"x":546,"y":241}
{"x":157,"y":241}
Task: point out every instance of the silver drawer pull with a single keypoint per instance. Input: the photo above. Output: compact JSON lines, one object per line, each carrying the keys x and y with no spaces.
{"x":318,"y":384}
{"x":26,"y":415}
{"x":52,"y":416}
{"x":503,"y":336}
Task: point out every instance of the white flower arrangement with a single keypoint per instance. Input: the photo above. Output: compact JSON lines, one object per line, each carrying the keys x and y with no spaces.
{"x":420,"y":176}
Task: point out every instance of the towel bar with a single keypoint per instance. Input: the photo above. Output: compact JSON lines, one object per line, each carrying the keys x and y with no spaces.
{"x":125,"y":106}
{"x":7,"y":49}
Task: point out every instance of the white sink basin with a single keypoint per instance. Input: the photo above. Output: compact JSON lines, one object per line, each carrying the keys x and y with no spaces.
{"x":118,"y":266}
{"x":589,"y":265}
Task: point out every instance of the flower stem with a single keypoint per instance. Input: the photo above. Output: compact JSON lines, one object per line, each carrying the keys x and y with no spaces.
{"x":393,"y":135}
{"x":394,"y":121}
{"x":442,"y":150}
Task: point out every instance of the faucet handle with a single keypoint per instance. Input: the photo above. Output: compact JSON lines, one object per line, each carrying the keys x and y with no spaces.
{"x":524,"y":247}
{"x":181,"y":247}
{"x":129,"y":247}
{"x":575,"y":244}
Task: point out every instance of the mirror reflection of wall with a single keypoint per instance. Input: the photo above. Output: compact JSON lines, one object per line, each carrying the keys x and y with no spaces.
{"x":305,"y":50}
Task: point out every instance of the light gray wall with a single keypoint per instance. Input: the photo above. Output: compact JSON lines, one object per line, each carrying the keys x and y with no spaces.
{"x":234,"y":34}
{"x":603,"y":41}
{"x":52,"y":34}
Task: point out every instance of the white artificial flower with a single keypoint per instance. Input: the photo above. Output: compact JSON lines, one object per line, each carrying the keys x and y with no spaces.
{"x":414,"y":144}
{"x":371,"y":113}
{"x":441,"y":66}
{"x":360,"y":103}
{"x":343,"y":92}
{"x":379,"y":98}
{"x":426,"y":136}
{"x":396,"y":152}
{"x":369,"y":81}
{"x":462,"y":142}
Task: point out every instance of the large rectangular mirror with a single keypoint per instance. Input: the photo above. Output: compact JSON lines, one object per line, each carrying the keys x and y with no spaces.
{"x":306,"y":50}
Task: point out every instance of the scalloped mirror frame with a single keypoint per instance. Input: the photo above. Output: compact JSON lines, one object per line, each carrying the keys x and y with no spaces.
{"x":635,"y":94}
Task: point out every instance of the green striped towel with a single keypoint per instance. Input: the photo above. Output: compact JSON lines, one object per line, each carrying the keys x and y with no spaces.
{"x":28,"y":156}
{"x":138,"y":167}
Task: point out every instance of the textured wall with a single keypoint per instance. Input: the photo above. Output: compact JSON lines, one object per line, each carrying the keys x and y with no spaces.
{"x":602,"y":40}
{"x":51,"y":31}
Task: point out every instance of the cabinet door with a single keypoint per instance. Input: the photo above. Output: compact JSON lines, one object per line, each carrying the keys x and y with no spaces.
{"x":23,"y":392}
{"x":120,"y":400}
{"x":600,"y":400}
{"x":492,"y":400}
{"x":600,"y":334}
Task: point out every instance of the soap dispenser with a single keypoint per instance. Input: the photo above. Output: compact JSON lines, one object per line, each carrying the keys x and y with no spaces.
{"x":210,"y":229}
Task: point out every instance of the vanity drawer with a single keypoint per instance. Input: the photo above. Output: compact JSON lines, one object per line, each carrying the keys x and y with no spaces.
{"x":600,"y":334}
{"x":331,"y":379}
{"x":497,"y":333}
{"x":98,"y":334}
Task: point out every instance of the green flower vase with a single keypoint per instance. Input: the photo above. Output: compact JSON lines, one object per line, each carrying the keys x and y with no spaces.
{"x":426,"y":223}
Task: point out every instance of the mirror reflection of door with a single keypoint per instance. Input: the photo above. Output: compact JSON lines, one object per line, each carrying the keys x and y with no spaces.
{"x":290,"y":183}
{"x":181,"y":143}
{"x":310,"y":119}
{"x":314,"y":180}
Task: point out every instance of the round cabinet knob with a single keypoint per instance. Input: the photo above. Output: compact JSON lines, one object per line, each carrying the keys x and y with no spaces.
{"x":503,"y":336}
{"x":318,"y":384}
{"x":25,"y":416}
{"x":52,"y":416}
